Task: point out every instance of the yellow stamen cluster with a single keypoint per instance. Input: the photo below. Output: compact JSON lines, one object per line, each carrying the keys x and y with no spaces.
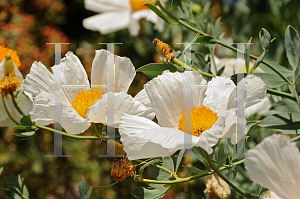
{"x":164,"y":49}
{"x":84,"y":100}
{"x":121,"y":168}
{"x":139,"y":4}
{"x":9,"y":83}
{"x":4,"y":51}
{"x":201,"y":119}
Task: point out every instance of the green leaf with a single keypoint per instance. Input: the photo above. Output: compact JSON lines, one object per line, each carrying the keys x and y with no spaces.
{"x":288,"y":123}
{"x":195,"y":170}
{"x":88,"y":194}
{"x":1,"y":169}
{"x":258,"y":61}
{"x":25,"y":134}
{"x":26,"y":120}
{"x":206,"y":39}
{"x":198,"y":152}
{"x":250,"y":124}
{"x":294,"y":92}
{"x":284,"y":106}
{"x":271,"y":80}
{"x":220,"y":71}
{"x":178,"y":159}
{"x":216,"y":30}
{"x":154,"y":69}
{"x":18,"y":127}
{"x":153,"y":191}
{"x":82,"y":188}
{"x":265,"y":39}
{"x":159,"y":13}
{"x":200,"y":62}
{"x":247,"y":54}
{"x":292,"y":44}
{"x":25,"y":192}
{"x":286,"y":72}
{"x":160,"y":174}
{"x":221,"y":152}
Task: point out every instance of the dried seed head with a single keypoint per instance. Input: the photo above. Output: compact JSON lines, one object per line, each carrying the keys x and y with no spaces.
{"x":121,"y":168}
{"x":164,"y":49}
{"x":216,"y":187}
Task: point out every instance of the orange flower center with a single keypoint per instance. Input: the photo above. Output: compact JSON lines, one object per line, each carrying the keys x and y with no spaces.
{"x":139,"y":4}
{"x":84,"y":100}
{"x":201,"y":119}
{"x":4,"y":51}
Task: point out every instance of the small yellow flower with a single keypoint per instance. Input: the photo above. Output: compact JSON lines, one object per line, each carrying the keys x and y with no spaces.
{"x":9,"y":81}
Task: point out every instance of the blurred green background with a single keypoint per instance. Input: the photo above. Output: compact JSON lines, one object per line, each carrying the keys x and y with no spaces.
{"x":26,"y":25}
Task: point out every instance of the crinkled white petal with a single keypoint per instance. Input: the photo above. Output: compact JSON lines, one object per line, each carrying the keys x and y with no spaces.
{"x":123,"y":103}
{"x":143,"y":138}
{"x":252,"y":89}
{"x":135,"y":133}
{"x":124,"y":71}
{"x":234,"y":126}
{"x":106,"y":5}
{"x":217,"y":94}
{"x":261,"y":108}
{"x":167,"y":95}
{"x":108,"y":22}
{"x":38,"y":79}
{"x":44,"y":113}
{"x":70,"y":72}
{"x":274,"y":164}
{"x":144,"y":99}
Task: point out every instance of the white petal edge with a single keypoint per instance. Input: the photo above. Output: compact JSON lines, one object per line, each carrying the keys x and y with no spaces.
{"x":38,"y":79}
{"x":123,"y":103}
{"x":274,"y":164}
{"x":44,"y":113}
{"x":124,"y":71}
{"x":70,"y":71}
{"x":251,"y":89}
{"x":144,"y":99}
{"x":107,"y":22}
{"x":166,"y":93}
{"x":106,"y":6}
{"x":217,"y":94}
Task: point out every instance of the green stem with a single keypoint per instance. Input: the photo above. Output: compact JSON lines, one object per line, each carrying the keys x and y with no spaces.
{"x":103,"y":187}
{"x":213,"y":59}
{"x":181,"y":180}
{"x":5,"y":107}
{"x":15,"y":103}
{"x":96,"y":131}
{"x":281,"y":93}
{"x":211,"y":164}
{"x":219,"y":42}
{"x":4,"y":189}
{"x":183,"y":65}
{"x":269,"y":90}
{"x":66,"y":134}
{"x":163,"y":168}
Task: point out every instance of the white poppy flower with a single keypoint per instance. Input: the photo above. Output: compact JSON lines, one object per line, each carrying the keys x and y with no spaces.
{"x":211,"y":114}
{"x":233,"y":66}
{"x":80,"y":106}
{"x":274,"y":164}
{"x":24,"y":102}
{"x":117,"y":15}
